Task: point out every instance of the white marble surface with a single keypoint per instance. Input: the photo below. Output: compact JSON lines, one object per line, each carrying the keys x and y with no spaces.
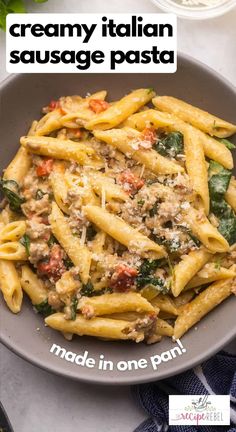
{"x":36,"y":400}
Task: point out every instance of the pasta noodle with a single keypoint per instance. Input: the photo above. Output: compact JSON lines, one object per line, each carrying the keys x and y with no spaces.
{"x":129,"y":142}
{"x":201,"y":305}
{"x":120,"y":110}
{"x":212,"y":148}
{"x":118,"y":229}
{"x":200,"y":119}
{"x":10,"y":286}
{"x":99,"y":327}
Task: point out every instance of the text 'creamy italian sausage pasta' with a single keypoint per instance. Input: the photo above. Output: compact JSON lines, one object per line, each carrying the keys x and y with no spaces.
{"x":118,"y":219}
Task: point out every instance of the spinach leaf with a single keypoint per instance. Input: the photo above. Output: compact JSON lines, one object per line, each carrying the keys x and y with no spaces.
{"x":227,"y":227}
{"x":171,"y":145}
{"x":148,"y":266}
{"x":89,"y":291}
{"x":73,"y":308}
{"x":25,"y":241}
{"x":219,"y":179}
{"x":68,"y":263}
{"x":44,"y":308}
{"x":154,"y":209}
{"x":171,"y":245}
{"x":227,"y":143}
{"x":52,"y":240}
{"x":145,"y":276}
{"x":159,"y":283}
{"x":10,"y":190}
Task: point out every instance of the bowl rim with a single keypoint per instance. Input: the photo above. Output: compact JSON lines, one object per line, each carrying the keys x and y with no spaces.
{"x":149,"y":376}
{"x":209,"y":12}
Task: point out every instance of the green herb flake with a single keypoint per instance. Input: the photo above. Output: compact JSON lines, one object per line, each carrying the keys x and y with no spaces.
{"x":44,"y":308}
{"x":87,"y":289}
{"x":154,"y":209}
{"x":73,"y":308}
{"x":150,"y":90}
{"x":145,"y":276}
{"x":68,"y":263}
{"x":227,"y":143}
{"x":171,"y":146}
{"x":25,"y":241}
{"x":52,"y":240}
{"x":140,"y":202}
{"x":218,"y":263}
{"x":11,"y":191}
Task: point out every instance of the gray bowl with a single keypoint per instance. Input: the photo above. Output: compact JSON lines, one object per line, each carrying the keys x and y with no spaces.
{"x":22,"y":96}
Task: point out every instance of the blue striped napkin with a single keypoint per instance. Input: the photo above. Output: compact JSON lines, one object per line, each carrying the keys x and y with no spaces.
{"x":215,"y":376}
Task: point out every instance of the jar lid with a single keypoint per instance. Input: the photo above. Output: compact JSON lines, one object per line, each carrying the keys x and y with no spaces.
{"x":195,"y":9}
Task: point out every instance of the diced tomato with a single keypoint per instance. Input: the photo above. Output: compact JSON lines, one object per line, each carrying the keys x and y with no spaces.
{"x":149,"y":134}
{"x":45,"y":168}
{"x":98,"y":105}
{"x":54,"y":267}
{"x":53,"y":105}
{"x":130,"y":181}
{"x":123,"y":278}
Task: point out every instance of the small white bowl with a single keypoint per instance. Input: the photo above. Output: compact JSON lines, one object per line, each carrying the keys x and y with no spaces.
{"x":196,"y":9}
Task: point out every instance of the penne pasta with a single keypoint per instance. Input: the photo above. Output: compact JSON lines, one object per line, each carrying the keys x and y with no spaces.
{"x":165,"y":304}
{"x":77,"y":111}
{"x":103,"y":184}
{"x":213,"y":149}
{"x":99,"y":327}
{"x":18,"y":167}
{"x":120,"y":110}
{"x":49,"y":123}
{"x":113,"y":303}
{"x":12,"y":251}
{"x":195,"y":116}
{"x":13,"y":231}
{"x":201,"y":305}
{"x":205,"y":231}
{"x":187,"y":268}
{"x":78,"y":253}
{"x":183,"y":299}
{"x":129,"y":142}
{"x":60,"y":190}
{"x":33,"y":286}
{"x":122,"y":232}
{"x":61,"y":149}
{"x":10,"y":286}
{"x":196,"y":168}
{"x":163,"y":328}
{"x":211,"y":272}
